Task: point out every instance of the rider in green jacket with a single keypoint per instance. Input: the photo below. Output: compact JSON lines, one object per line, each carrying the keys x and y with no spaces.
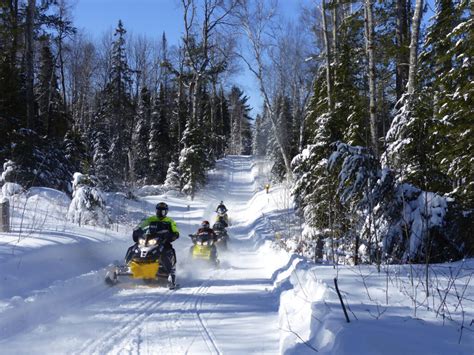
{"x":163,"y":223}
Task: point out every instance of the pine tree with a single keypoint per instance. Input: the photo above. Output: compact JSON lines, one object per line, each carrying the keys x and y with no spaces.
{"x":260,"y":137}
{"x":116,"y":109}
{"x":240,"y":136}
{"x":192,"y":161}
{"x":449,"y":51}
{"x":173,"y":178}
{"x":101,"y":159}
{"x":140,"y":137}
{"x":159,"y":153}
{"x":87,"y":205}
{"x":51,"y":116}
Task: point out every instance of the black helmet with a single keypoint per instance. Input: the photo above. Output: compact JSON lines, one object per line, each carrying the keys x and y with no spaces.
{"x":205,"y":224}
{"x":161,"y":209}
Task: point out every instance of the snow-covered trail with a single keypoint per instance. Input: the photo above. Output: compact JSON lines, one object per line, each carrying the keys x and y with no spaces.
{"x":230,"y":310}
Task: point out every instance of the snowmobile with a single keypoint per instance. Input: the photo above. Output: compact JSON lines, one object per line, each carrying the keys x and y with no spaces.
{"x":143,"y":260}
{"x":222,"y":218}
{"x":204,"y":248}
{"x":222,"y":236}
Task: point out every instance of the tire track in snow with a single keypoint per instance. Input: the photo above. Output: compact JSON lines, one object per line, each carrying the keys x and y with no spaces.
{"x":117,"y":335}
{"x":67,"y":296}
{"x":205,"y":331}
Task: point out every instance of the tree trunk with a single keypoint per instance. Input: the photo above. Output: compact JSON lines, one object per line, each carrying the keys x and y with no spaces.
{"x":29,"y":59}
{"x":415,"y":29}
{"x":4,"y":215}
{"x":327,"y":48}
{"x":401,"y":37}
{"x":335,"y":25}
{"x":61,"y":69}
{"x":369,"y":31}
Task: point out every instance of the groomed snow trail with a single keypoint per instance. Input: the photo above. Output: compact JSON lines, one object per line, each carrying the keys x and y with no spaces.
{"x":229,"y":310}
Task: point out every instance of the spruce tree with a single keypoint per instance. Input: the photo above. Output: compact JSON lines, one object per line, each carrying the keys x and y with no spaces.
{"x":116,"y":109}
{"x":140,"y":137}
{"x":51,"y":117}
{"x":159,"y":153}
{"x":450,"y":53}
{"x":192,"y":160}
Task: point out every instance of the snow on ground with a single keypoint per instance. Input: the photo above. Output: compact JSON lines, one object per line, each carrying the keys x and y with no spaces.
{"x":261,"y":300}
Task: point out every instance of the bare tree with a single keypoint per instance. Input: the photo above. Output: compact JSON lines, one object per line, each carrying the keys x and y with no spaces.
{"x":198,"y":46}
{"x":80,"y":69}
{"x":64,"y":29}
{"x":141,"y":49}
{"x":255,"y":22}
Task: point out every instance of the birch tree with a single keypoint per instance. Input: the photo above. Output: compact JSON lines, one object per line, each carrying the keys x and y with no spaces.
{"x":254,"y":21}
{"x":370,"y":48}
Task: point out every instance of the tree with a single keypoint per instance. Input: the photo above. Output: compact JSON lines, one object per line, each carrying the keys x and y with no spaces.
{"x":140,"y":138}
{"x":239,"y":122}
{"x":159,"y":154}
{"x":370,"y":48}
{"x":116,"y":108}
{"x":254,"y":22}
{"x":51,"y":116}
{"x":29,"y":63}
{"x":449,"y":57}
{"x":87,"y":206}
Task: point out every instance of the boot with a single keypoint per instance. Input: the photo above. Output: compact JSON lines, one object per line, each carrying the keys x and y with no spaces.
{"x":172,"y":282}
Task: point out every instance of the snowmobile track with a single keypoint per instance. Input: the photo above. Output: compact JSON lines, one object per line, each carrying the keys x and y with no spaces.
{"x":116,"y":336}
{"x":206,"y":333}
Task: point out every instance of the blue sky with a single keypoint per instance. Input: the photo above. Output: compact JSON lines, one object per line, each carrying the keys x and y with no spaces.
{"x":152,"y":17}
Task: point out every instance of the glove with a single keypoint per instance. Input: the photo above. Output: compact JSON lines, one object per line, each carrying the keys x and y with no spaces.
{"x":172,"y":237}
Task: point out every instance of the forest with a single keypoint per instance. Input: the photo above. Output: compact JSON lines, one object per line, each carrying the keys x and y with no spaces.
{"x":367,"y":113}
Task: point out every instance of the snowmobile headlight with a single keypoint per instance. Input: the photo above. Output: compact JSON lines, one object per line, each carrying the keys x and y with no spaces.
{"x":141,"y":241}
{"x":152,"y":242}
{"x":199,"y":243}
{"x":205,"y":243}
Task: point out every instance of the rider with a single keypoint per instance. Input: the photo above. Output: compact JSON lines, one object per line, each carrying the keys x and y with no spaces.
{"x":221,"y":211}
{"x":206,"y":229}
{"x":221,"y":208}
{"x":163,"y":222}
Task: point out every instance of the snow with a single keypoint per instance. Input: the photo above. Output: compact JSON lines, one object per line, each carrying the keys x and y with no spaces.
{"x":10,"y":189}
{"x":261,"y":300}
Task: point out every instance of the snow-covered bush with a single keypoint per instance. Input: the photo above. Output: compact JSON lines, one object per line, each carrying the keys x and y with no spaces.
{"x":405,"y":222}
{"x":172,"y":181}
{"x":10,"y":189}
{"x":88,"y":204}
{"x":37,"y":161}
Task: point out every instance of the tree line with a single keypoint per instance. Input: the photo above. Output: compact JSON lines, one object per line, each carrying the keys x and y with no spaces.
{"x":367,"y":112}
{"x":127,"y":110}
{"x":386,"y":172}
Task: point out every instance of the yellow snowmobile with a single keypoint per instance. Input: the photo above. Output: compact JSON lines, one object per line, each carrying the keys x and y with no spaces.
{"x":143,"y":260}
{"x":204,"y":247}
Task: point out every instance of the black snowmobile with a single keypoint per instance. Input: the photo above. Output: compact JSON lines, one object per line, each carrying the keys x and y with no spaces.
{"x":221,"y":232}
{"x":143,"y":260}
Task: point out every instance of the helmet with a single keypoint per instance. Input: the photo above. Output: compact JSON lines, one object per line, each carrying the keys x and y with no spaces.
{"x":205,"y":224}
{"x":161,"y":209}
